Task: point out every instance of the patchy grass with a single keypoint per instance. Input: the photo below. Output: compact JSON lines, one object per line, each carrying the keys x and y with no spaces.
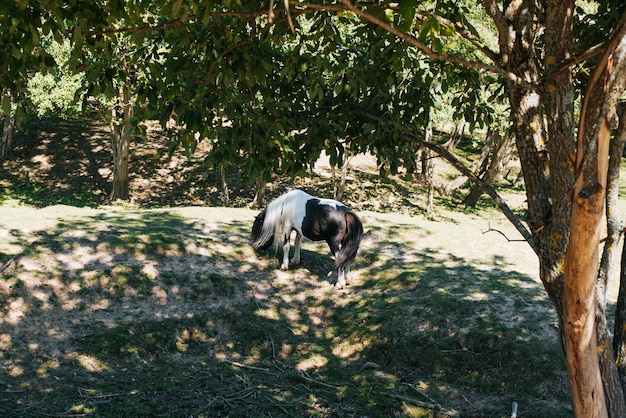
{"x":128,"y":312}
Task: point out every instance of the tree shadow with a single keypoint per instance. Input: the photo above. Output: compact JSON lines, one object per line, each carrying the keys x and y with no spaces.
{"x":144,"y":313}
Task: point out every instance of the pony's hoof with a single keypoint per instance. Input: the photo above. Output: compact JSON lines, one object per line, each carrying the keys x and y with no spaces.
{"x":284,"y":267}
{"x":339,"y":285}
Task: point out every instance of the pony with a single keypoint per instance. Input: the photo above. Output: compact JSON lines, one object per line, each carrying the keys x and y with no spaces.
{"x":316,"y":219}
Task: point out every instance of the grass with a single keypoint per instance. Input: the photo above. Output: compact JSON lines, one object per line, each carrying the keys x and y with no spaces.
{"x":123,"y":311}
{"x":129,"y":312}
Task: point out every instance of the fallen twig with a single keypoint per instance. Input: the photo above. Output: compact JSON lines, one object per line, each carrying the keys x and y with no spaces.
{"x":245,"y":366}
{"x":423,"y":404}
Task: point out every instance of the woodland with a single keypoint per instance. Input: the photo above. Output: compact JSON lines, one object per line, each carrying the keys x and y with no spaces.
{"x":264,"y":88}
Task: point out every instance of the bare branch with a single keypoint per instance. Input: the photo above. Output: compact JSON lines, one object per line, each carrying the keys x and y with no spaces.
{"x":503,"y":234}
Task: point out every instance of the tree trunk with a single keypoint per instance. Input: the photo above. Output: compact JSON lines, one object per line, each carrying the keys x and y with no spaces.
{"x":499,"y":153}
{"x":224,"y":185}
{"x":606,"y":85}
{"x":581,"y":268}
{"x":477,"y":166}
{"x":429,"y":163}
{"x":120,"y":140}
{"x":619,"y":339}
{"x":614,"y":231}
{"x":340,"y":186}
{"x":609,"y":363}
{"x":259,"y":194}
{"x":456,"y":137}
{"x":6,"y":146}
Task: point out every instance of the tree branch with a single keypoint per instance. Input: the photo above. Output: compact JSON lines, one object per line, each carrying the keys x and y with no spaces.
{"x":506,"y":210}
{"x":434,"y":55}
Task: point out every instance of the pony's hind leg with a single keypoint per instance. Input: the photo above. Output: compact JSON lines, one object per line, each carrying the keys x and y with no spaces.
{"x":296,"y":250}
{"x":342,"y":276}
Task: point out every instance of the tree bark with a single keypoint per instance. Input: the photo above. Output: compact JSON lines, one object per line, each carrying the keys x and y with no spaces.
{"x":429,"y":172}
{"x":609,"y":363}
{"x":500,"y":148}
{"x":225,"y":188}
{"x":456,"y":137}
{"x":259,"y":194}
{"x":6,"y":146}
{"x":615,"y":229}
{"x":120,"y":140}
{"x":581,"y":262}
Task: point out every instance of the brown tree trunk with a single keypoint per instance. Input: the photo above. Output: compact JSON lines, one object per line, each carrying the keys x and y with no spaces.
{"x":581,"y":268}
{"x":225,"y":189}
{"x":259,"y":194}
{"x":340,"y":186}
{"x":477,"y":165}
{"x":619,"y":339}
{"x":606,"y":85}
{"x":456,"y":136}
{"x":6,"y":146}
{"x":429,"y":163}
{"x":500,"y":149}
{"x":120,"y":141}
{"x":614,"y":231}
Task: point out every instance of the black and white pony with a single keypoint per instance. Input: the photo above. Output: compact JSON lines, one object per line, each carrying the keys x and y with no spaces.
{"x":318,"y":220}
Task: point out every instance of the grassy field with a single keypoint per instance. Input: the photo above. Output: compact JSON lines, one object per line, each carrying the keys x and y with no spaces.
{"x":129,"y":312}
{"x":161,"y":308}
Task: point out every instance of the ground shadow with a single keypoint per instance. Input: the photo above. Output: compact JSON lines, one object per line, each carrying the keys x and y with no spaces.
{"x":144,"y":313}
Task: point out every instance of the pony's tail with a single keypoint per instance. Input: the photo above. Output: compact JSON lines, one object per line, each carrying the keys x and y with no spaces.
{"x":262,"y":232}
{"x":350,"y":242}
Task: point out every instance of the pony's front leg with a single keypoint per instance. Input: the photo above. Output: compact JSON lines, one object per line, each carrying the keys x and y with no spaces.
{"x":296,"y":251}
{"x":285,"y":264}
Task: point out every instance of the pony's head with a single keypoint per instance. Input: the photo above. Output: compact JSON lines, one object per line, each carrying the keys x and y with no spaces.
{"x":258,"y":242}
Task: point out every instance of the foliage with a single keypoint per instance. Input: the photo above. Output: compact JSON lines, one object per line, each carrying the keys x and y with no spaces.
{"x":54,"y":92}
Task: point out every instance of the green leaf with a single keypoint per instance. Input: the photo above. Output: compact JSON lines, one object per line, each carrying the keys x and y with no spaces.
{"x":6,"y":105}
{"x":407,"y":11}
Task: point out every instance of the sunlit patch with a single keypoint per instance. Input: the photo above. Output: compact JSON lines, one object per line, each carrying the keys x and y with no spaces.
{"x":160,"y":294}
{"x":17,"y":311}
{"x":269,"y":313}
{"x":15,"y":370}
{"x":477,"y":296}
{"x":5,"y":342}
{"x":150,"y":270}
{"x":316,"y":361}
{"x":91,"y":363}
{"x":347,"y":349}
{"x":46,"y":367}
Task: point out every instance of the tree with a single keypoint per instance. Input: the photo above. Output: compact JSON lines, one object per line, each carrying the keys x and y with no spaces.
{"x":21,"y":54}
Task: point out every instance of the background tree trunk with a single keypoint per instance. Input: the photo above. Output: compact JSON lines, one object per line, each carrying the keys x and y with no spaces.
{"x":225,"y":189}
{"x":6,"y":146}
{"x":428,"y":166}
{"x":500,"y":150}
{"x":120,"y":141}
{"x":259,"y":194}
{"x":456,"y":136}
